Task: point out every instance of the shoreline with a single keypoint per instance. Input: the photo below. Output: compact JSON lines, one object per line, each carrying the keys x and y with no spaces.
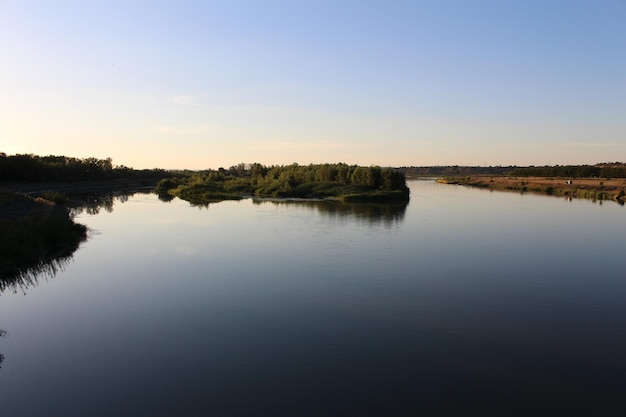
{"x":35,"y":234}
{"x":588,"y":188}
{"x":79,"y":187}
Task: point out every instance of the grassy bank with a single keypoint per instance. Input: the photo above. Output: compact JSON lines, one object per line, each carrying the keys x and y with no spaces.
{"x":590,"y":188}
{"x":34,"y":233}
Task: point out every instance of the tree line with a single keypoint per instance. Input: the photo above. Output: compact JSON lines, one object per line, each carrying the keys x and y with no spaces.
{"x":290,"y":176}
{"x":436,"y":171}
{"x":34,"y":168}
{"x":385,"y":179}
{"x":601,"y":170}
{"x":604,"y":170}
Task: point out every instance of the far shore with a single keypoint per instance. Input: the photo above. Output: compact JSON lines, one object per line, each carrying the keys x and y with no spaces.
{"x":591,"y":188}
{"x":80,"y":187}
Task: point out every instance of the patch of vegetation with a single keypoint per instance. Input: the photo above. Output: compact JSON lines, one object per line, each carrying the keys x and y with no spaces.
{"x":339,"y":181}
{"x":199,"y":193}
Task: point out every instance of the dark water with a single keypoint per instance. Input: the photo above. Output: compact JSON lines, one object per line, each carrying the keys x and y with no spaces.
{"x":466,"y":302}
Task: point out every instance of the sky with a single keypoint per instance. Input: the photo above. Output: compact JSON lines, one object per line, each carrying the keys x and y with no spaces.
{"x":209,"y":84}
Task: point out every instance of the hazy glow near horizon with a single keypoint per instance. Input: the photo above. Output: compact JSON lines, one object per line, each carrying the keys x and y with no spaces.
{"x":205,"y":84}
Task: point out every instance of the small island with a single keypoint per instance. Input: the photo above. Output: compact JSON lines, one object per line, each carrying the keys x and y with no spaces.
{"x":347,"y":183}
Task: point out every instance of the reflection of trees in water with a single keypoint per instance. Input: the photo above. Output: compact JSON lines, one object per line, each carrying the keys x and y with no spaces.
{"x":166,"y":198}
{"x":30,"y":264}
{"x":374,"y":214}
{"x":3,"y":334}
{"x":24,"y":278}
{"x":387,"y":214}
{"x":36,"y":246}
{"x":93,"y":203}
{"x":206,"y":204}
{"x":40,"y":249}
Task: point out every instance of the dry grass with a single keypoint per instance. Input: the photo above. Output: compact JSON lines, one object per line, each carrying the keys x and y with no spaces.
{"x":594,"y":188}
{"x":613,"y":184}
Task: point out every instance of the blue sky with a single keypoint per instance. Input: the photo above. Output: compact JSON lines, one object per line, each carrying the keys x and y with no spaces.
{"x":205,"y":84}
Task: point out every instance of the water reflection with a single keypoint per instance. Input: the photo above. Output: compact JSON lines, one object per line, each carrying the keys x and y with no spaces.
{"x":166,"y":198}
{"x":3,"y":334}
{"x":91,"y":204}
{"x":203,"y":205}
{"x":386,"y":214}
{"x":30,"y":276}
{"x":39,"y":249}
{"x":310,"y":317}
{"x":94,"y":203}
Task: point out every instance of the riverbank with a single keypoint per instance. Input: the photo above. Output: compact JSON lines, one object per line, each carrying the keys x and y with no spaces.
{"x":79,"y":187}
{"x":591,"y":188}
{"x":33,"y":233}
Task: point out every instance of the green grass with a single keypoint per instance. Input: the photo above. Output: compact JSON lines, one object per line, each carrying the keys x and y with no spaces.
{"x":212,"y":192}
{"x":202,"y":194}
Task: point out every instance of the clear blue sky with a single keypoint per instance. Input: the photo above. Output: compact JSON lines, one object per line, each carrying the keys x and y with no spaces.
{"x":205,"y":84}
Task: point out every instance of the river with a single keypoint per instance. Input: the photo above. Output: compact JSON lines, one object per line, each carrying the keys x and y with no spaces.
{"x":464,"y":302}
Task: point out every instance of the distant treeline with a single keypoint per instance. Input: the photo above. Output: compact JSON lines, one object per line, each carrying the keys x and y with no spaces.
{"x":602,"y":170}
{"x":436,"y":171}
{"x":314,"y":180}
{"x":33,"y":168}
{"x":605,"y":170}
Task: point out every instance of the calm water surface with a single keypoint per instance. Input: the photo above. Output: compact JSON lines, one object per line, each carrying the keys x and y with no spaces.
{"x":466,"y":302}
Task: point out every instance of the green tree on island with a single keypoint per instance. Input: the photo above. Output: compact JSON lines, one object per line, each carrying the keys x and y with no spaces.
{"x":340,"y":181}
